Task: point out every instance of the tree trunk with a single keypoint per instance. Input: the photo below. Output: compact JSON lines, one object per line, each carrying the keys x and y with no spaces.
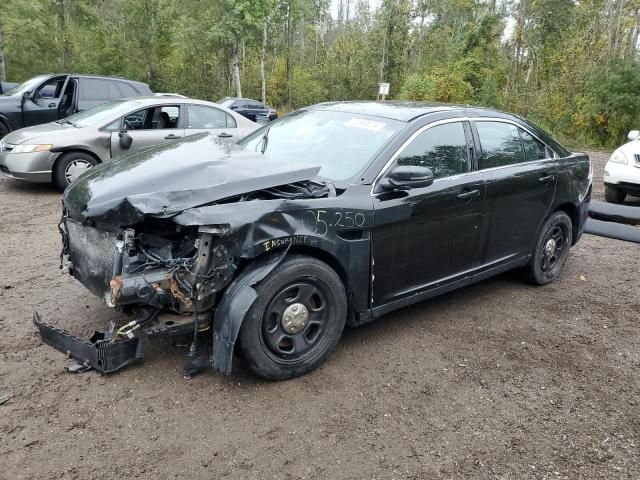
{"x":263,"y":79}
{"x":631,"y":48}
{"x":235,"y":67}
{"x":289,"y":73}
{"x":66,"y":49}
{"x":3,"y":73}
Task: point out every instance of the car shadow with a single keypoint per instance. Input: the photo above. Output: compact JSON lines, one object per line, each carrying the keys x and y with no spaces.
{"x":18,"y":186}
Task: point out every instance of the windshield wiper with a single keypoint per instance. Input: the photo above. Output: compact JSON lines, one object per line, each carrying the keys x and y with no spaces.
{"x":265,"y":140}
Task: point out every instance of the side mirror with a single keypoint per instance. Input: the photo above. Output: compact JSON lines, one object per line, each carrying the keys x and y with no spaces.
{"x":405,"y":177}
{"x":125,"y":140}
{"x":633,"y":134}
{"x":26,"y":96}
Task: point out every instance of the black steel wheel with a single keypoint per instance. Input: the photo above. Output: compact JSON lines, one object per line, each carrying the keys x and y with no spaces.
{"x":551,"y":250}
{"x":296,"y":321}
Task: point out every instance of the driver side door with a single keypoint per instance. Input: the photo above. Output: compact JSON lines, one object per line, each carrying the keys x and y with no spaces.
{"x":427,"y":239}
{"x":43,"y":107}
{"x":149,"y":127}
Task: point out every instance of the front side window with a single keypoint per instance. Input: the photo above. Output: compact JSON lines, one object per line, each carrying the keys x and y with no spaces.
{"x":500,"y":144}
{"x":208,"y":117}
{"x":442,"y":148}
{"x":50,"y":90}
{"x":154,"y":118}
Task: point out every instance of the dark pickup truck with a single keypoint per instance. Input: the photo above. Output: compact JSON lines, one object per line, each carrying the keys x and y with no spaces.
{"x":47,"y":98}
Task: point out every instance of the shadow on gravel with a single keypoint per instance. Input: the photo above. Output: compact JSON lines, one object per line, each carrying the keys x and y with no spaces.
{"x":16,"y":186}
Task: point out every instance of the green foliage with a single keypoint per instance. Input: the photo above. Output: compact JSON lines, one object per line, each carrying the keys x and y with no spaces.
{"x":564,"y":64}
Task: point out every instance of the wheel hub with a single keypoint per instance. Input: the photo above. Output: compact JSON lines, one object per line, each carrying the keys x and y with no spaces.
{"x":550,"y":248}
{"x":294,"y":318}
{"x":75,"y":168}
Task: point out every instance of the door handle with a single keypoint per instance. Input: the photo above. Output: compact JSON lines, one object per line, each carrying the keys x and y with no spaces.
{"x":469,"y":195}
{"x":51,"y":105}
{"x":225,"y":135}
{"x":171,"y":136}
{"x":546,"y":179}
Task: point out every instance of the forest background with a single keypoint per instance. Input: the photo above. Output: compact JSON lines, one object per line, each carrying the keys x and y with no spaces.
{"x":569,"y":65}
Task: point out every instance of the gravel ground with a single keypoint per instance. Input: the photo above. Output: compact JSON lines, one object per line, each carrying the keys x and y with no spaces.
{"x":500,"y":380}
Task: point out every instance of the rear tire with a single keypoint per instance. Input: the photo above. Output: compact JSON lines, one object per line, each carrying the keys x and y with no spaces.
{"x":69,"y":166}
{"x":4,"y":130}
{"x":296,"y":321}
{"x":551,"y":250}
{"x":614,"y":194}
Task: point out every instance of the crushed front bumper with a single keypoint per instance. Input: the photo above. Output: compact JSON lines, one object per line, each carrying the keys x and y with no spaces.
{"x":99,"y":352}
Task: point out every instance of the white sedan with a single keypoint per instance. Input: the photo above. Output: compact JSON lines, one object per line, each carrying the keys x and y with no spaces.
{"x":622,"y":171}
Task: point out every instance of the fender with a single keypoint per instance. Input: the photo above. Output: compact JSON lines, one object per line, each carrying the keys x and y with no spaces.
{"x":236,"y":302}
{"x":78,"y":148}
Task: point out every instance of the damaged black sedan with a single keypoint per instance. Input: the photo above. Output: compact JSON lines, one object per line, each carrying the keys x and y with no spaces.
{"x":330,"y":216}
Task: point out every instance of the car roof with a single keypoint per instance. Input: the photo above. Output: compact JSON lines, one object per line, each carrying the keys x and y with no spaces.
{"x":404,"y":111}
{"x":85,"y":75}
{"x":159,"y":99}
{"x":240,"y":98}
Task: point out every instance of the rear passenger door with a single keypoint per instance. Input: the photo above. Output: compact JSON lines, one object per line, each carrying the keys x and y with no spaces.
{"x":520,"y":175}
{"x":208,"y":119}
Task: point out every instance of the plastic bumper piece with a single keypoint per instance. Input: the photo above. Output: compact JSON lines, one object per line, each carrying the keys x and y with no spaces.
{"x":98,"y":352}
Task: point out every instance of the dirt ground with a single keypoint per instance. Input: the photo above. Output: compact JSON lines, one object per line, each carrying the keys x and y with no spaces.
{"x":500,"y":380}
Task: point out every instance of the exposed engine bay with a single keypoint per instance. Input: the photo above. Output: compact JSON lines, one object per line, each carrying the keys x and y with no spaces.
{"x":168,"y":277}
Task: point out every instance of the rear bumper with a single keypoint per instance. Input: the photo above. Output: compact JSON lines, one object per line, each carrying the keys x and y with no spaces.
{"x":99,"y":352}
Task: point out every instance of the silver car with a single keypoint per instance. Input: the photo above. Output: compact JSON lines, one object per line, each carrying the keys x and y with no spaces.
{"x":60,"y":151}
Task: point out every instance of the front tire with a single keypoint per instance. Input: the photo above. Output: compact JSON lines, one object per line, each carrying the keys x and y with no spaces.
{"x":69,"y":167}
{"x":551,"y":250}
{"x":296,"y":321}
{"x":614,"y":194}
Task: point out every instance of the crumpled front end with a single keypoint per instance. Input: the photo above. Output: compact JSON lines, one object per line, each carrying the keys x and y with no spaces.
{"x":160,"y":266}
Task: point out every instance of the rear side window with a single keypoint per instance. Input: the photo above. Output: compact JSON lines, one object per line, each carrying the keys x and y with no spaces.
{"x":114,"y":93}
{"x":500,"y":144}
{"x":126,"y":90}
{"x":534,"y":149}
{"x":256,"y":106}
{"x":442,"y":148}
{"x":94,"y":90}
{"x":209,"y":117}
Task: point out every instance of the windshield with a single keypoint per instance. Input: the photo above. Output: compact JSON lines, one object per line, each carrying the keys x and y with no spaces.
{"x":26,"y":86}
{"x":102,"y":114}
{"x":342,"y":144}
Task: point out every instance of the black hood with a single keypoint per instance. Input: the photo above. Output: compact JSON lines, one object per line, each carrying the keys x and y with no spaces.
{"x":168,"y":179}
